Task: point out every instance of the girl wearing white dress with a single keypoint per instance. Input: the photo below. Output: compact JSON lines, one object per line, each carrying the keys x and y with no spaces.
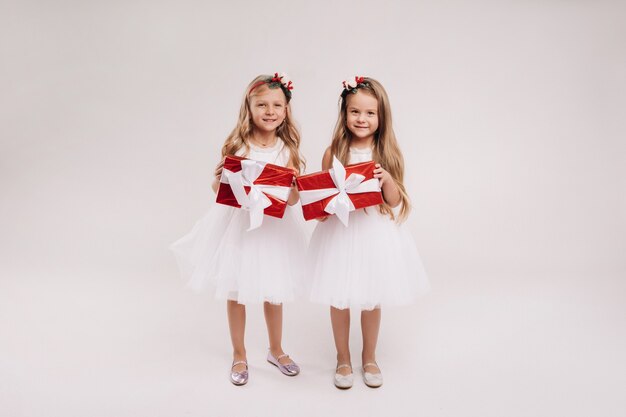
{"x":373,"y":261}
{"x":262,"y":265}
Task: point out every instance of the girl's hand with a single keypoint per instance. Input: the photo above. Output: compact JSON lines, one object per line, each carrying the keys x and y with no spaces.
{"x":218,"y":173}
{"x":388,"y":186}
{"x":382,"y":175}
{"x":294,"y":195}
{"x":322,"y":219}
{"x":218,"y":169}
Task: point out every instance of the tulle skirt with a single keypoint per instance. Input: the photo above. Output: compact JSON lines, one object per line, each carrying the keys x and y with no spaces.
{"x":254,"y":266}
{"x":372,"y":262}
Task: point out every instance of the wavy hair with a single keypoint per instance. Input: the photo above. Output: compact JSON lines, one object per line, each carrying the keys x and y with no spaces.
{"x":241,"y":134}
{"x":386,"y":150}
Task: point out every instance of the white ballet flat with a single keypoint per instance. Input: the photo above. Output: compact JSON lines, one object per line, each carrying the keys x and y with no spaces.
{"x":344,"y":381}
{"x":370,"y":379}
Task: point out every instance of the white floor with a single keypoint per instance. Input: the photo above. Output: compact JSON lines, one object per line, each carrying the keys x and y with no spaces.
{"x":122,"y":345}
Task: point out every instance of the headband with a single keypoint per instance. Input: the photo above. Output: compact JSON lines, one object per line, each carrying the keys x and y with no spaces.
{"x":276,"y":81}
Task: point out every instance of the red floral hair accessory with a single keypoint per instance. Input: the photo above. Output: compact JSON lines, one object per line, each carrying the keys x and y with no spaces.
{"x":277,"y":81}
{"x":352,"y":85}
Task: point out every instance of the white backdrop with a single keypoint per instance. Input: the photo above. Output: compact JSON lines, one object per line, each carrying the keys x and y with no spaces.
{"x":511,"y":117}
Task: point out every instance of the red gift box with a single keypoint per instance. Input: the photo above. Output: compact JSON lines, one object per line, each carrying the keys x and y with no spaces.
{"x":319,"y":189}
{"x":256,"y":186}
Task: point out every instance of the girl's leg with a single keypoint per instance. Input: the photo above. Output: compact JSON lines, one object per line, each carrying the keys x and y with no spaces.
{"x":274,"y":322}
{"x":370,"y":326}
{"x":340,"y":320}
{"x":237,"y":325}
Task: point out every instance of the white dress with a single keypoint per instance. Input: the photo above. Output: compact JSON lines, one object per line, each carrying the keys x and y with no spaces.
{"x":263,"y":264}
{"x":371,"y":262}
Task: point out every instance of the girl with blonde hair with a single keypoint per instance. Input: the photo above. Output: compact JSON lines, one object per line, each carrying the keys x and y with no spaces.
{"x":263,"y":265}
{"x":373,"y":260}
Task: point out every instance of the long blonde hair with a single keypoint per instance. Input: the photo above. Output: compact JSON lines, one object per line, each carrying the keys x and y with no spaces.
{"x":241,"y":134}
{"x":386,"y":150}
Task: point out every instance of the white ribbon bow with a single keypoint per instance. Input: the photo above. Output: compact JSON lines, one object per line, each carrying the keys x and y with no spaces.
{"x":341,"y":205}
{"x":256,"y":199}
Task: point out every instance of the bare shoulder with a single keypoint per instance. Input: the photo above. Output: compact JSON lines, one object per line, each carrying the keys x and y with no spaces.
{"x":327,"y":160}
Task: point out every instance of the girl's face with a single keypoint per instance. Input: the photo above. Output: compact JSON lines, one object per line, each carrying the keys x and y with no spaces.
{"x":268,"y":107}
{"x":362,"y":115}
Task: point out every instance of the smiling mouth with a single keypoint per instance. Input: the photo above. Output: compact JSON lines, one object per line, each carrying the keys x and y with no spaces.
{"x":269,"y":120}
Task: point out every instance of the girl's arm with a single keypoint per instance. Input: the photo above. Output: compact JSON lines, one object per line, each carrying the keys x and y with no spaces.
{"x":294,"y":196}
{"x":218,"y":173}
{"x":391,"y":194}
{"x":327,"y":163}
{"x":327,"y":160}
